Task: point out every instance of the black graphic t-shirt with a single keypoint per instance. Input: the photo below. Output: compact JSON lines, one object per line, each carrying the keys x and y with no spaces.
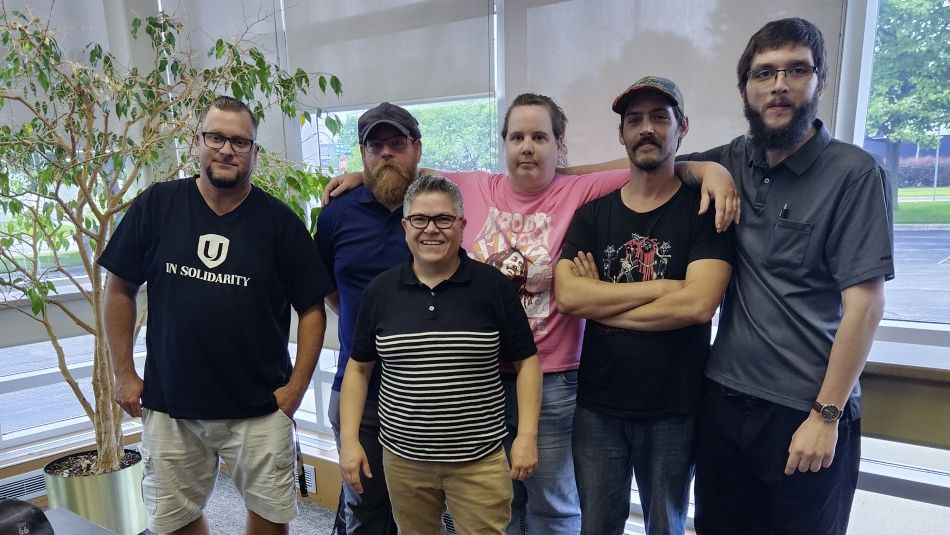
{"x":220,"y":290}
{"x":635,"y":373}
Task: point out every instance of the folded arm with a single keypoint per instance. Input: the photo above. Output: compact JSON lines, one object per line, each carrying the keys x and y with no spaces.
{"x":580,"y":294}
{"x":713,"y":180}
{"x":694,"y":303}
{"x":345,"y":182}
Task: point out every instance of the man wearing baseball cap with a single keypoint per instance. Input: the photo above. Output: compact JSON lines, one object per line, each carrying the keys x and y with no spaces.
{"x":647,"y":271}
{"x":360,"y":235}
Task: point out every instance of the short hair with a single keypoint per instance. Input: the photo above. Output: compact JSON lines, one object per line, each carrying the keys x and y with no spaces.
{"x":433,"y":184}
{"x":781,"y":33}
{"x":558,"y":118}
{"x":226,"y":103}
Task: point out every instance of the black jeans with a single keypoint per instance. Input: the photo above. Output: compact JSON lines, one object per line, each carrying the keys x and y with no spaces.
{"x":741,"y":487}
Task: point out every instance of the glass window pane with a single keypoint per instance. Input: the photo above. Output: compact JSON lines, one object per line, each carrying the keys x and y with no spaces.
{"x":41,"y":406}
{"x":457,"y":135}
{"x":908,"y":128}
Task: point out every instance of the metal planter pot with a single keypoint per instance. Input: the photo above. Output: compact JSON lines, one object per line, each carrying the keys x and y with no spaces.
{"x":113,"y":500}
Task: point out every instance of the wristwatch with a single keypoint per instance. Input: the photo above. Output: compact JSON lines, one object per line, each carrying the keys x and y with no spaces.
{"x":829,"y":412}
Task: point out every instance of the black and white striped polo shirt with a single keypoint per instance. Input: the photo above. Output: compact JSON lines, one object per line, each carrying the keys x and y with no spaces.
{"x":441,"y":397}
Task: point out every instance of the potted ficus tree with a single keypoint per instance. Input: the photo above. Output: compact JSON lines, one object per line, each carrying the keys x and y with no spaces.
{"x":86,"y":135}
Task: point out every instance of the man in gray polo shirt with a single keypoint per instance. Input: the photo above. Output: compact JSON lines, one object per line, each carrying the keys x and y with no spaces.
{"x":779,"y":424}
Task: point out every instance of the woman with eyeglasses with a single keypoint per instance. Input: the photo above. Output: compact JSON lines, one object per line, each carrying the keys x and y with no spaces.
{"x":525,"y":213}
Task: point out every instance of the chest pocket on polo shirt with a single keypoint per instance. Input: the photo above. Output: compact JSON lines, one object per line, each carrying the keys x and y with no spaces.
{"x":788,"y":244}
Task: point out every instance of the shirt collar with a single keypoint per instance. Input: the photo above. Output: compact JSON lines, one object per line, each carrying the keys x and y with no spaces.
{"x":462,"y":274}
{"x":365,"y":196}
{"x":802,"y":159}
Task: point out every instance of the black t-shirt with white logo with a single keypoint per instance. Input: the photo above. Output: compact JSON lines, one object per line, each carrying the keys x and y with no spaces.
{"x":635,"y":373}
{"x":220,"y":290}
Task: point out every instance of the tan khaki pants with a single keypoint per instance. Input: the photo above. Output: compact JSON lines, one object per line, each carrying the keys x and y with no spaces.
{"x":477,"y":493}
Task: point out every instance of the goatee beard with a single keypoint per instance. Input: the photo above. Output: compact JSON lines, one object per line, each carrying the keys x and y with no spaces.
{"x":223,"y":183}
{"x":647,"y":163}
{"x":785,"y":136}
{"x":388,"y":183}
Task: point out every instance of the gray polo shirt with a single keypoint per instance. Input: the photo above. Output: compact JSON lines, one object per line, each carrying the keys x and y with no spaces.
{"x":813,"y":225}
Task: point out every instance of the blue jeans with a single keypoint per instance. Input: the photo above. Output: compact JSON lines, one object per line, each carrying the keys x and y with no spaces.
{"x":547,"y":502}
{"x":608,"y":450}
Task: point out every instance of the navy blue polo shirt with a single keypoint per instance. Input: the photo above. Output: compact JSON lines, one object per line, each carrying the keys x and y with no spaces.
{"x":813,"y":225}
{"x":358,"y":238}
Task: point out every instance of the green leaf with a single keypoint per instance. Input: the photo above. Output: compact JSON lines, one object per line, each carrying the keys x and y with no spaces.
{"x":37,"y":305}
{"x":333,"y":124}
{"x":337,"y":85}
{"x":322,"y":82}
{"x":314,"y":214}
{"x":95,"y":55}
{"x":43,"y":80}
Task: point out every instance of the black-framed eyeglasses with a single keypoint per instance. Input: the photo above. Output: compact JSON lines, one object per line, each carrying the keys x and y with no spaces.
{"x":214,"y":140}
{"x":798,"y":73}
{"x":442,"y":221}
{"x":396,"y":144}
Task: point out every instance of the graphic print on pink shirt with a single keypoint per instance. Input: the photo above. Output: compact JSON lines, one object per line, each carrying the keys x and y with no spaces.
{"x":519,"y":246}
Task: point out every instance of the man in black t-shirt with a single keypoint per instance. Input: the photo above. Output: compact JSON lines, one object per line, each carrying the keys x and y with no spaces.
{"x":648,"y":273}
{"x":224,"y":262}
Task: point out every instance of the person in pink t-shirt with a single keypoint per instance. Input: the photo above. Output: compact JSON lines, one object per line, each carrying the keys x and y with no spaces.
{"x":517,"y":222}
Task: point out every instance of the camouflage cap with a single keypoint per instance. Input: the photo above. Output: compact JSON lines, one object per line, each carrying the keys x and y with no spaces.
{"x":663,"y":86}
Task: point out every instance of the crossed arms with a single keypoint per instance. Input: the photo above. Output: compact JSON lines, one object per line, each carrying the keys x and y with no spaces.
{"x":657,"y":305}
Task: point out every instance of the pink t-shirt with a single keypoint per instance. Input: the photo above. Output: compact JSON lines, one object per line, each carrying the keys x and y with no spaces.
{"x":521,"y":234}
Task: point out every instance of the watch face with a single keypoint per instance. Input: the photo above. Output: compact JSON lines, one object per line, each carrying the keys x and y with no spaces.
{"x":830,"y":412}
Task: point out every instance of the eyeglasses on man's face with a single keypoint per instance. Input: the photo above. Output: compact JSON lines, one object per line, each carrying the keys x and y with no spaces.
{"x":214,"y":140}
{"x":798,"y":73}
{"x":395,"y":143}
{"x":442,"y":221}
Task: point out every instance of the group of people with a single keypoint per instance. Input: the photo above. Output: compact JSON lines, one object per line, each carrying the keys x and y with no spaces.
{"x":492,"y":401}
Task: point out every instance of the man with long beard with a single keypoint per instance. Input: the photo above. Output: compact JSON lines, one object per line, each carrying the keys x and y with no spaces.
{"x":360,"y":235}
{"x":778,"y":429}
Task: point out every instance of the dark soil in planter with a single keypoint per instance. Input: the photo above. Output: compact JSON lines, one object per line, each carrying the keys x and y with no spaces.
{"x":83,"y":463}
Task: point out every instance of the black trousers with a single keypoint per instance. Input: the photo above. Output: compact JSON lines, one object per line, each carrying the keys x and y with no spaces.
{"x":741,"y":487}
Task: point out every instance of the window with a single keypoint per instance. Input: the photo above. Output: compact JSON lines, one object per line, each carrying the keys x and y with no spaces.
{"x":456,"y":135}
{"x":908,"y":128}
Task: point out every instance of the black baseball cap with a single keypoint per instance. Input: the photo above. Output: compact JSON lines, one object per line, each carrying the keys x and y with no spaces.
{"x":657,"y":84}
{"x":18,"y":516}
{"x":391,"y":114}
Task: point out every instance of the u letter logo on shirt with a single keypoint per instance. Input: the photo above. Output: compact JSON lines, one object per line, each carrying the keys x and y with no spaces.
{"x":212,"y":249}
